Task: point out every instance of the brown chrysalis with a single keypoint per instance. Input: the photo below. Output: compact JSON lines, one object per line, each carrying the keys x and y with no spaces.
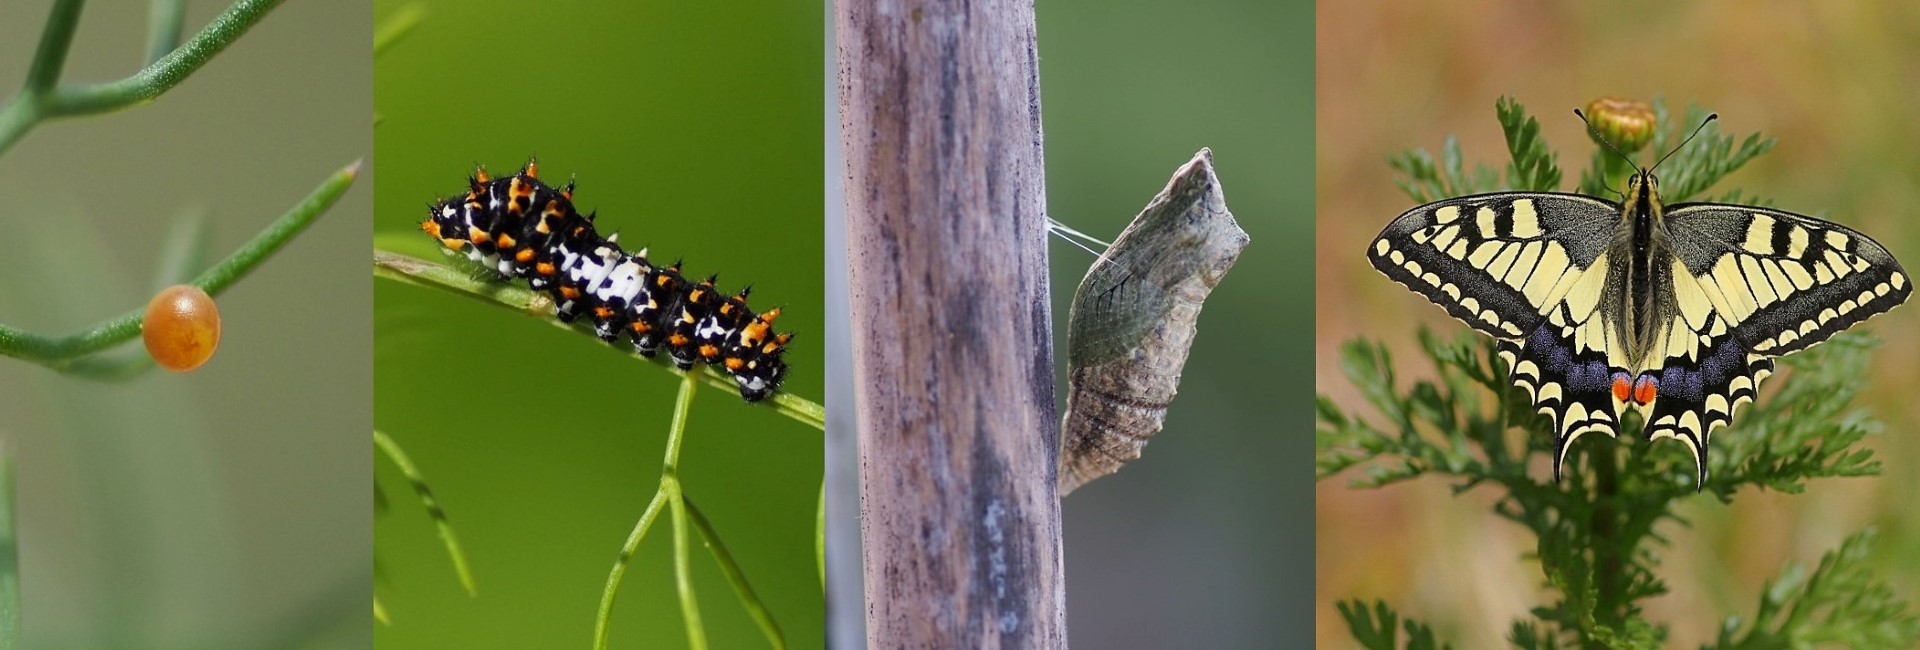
{"x":1133,"y":318}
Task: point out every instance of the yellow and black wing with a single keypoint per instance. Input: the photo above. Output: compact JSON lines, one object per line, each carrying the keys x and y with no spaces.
{"x":1529,"y":269}
{"x":1751,"y":284}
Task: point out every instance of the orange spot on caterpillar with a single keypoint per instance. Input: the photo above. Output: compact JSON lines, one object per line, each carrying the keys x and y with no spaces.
{"x":181,"y":328}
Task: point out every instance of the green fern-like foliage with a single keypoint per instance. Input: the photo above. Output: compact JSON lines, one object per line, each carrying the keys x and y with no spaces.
{"x":1597,"y":539}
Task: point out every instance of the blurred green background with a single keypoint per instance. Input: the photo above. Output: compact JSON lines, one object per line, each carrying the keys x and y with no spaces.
{"x":226,"y":507}
{"x":693,"y":129}
{"x":1203,"y":543}
{"x":1834,"y":82}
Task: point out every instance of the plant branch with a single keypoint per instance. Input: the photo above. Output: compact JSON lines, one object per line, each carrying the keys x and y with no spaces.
{"x":422,"y":273}
{"x":55,"y":41}
{"x":735,"y":576}
{"x":164,"y":22}
{"x":42,"y":99}
{"x":683,"y":564}
{"x":439,"y":516}
{"x":9,"y":557}
{"x":68,"y":353}
{"x":607,"y":595}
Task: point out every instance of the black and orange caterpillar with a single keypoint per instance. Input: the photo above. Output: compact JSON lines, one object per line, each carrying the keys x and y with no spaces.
{"x":519,"y":227}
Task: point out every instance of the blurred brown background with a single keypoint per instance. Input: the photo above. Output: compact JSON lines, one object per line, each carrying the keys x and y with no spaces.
{"x":1835,"y":83}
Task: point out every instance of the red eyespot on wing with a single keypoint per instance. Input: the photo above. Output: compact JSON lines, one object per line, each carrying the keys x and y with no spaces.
{"x":1645,"y":389}
{"x":1622,"y":386}
{"x":182,"y":328}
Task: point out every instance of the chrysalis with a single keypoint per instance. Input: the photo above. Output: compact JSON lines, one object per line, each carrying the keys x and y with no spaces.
{"x":1133,"y":319}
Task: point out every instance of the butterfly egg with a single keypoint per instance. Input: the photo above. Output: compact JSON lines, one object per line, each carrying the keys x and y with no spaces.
{"x":182,"y":328}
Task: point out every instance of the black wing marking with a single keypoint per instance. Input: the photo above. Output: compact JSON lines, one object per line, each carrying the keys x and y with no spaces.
{"x":1570,"y":385}
{"x":1786,"y":281}
{"x":1495,"y":261}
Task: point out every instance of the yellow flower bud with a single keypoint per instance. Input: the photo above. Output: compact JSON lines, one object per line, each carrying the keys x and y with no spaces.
{"x":1628,"y":124}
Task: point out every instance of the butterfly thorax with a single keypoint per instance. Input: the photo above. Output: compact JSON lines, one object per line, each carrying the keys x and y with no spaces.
{"x":1640,"y":276}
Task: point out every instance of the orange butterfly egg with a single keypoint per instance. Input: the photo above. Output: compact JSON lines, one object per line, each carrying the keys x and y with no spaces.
{"x":182,"y":328}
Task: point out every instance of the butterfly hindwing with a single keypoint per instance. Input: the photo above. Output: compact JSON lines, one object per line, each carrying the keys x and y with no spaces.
{"x":1701,"y":390}
{"x":1495,"y":261}
{"x":1785,"y":281}
{"x":1570,"y":385}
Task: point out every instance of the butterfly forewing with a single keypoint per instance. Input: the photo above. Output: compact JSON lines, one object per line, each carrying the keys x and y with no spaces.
{"x":1495,"y":261}
{"x":1786,"y":281}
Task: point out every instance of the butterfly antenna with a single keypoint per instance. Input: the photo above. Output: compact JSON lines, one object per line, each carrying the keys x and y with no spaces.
{"x":1683,"y":143}
{"x":1603,"y":139}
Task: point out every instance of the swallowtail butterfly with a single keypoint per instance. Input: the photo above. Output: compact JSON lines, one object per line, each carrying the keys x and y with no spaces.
{"x":1675,"y":310}
{"x":519,"y":227}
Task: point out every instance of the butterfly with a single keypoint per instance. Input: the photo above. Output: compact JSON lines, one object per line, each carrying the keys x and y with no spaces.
{"x":1674,"y":310}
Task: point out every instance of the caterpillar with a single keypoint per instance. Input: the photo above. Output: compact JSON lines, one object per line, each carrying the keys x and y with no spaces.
{"x":520,"y":227}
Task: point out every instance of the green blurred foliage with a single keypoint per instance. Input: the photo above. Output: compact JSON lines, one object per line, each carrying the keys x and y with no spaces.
{"x":224,"y":507}
{"x":693,"y":129}
{"x":1203,"y":542}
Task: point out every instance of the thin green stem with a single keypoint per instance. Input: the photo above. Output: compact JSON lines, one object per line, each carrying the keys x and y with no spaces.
{"x":736,"y":577}
{"x":167,"y":72}
{"x":165,"y":20}
{"x":431,"y":275}
{"x":1608,"y":571}
{"x":55,"y":41}
{"x":9,"y":557}
{"x":42,"y":99}
{"x":682,"y":404}
{"x":67,"y":353}
{"x":683,"y":565}
{"x":419,"y":481}
{"x":601,"y":621}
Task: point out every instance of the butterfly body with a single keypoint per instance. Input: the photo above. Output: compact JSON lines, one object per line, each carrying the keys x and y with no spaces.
{"x":1676,"y":311}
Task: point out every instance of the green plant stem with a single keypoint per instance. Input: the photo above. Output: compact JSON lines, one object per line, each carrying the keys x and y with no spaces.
{"x":42,"y":99}
{"x":165,"y":20}
{"x":1608,"y":571}
{"x":607,"y":595}
{"x":683,"y":566}
{"x":55,"y":41}
{"x":677,"y":502}
{"x":66,"y":353}
{"x":400,"y":459}
{"x":422,"y":273}
{"x":9,"y":557}
{"x":735,"y":577}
